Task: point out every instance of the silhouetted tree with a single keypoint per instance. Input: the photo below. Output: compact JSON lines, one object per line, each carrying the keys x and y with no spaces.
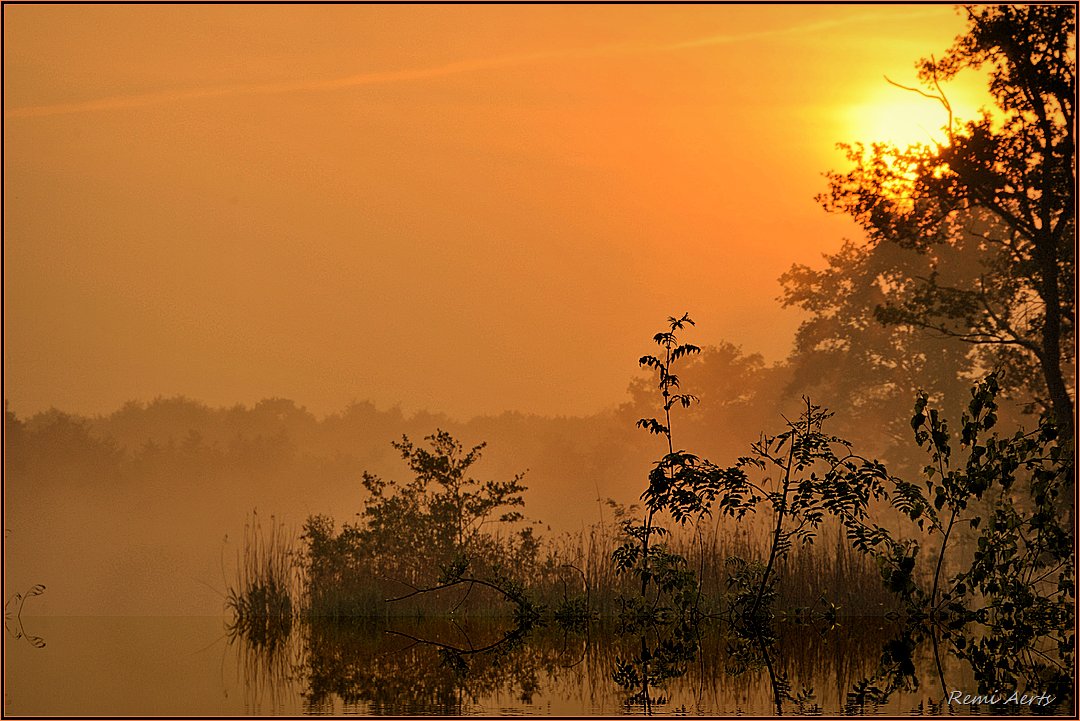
{"x":869,"y":369}
{"x":60,"y":448}
{"x":441,"y":518}
{"x":1001,"y":190}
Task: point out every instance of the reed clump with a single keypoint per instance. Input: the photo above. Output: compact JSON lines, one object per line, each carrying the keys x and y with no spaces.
{"x":266,"y":594}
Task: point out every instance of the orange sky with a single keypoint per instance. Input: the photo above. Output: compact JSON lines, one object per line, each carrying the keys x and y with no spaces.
{"x":467,"y":209}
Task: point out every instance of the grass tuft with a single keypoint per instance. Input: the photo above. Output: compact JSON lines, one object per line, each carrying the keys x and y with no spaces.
{"x":265,"y":597}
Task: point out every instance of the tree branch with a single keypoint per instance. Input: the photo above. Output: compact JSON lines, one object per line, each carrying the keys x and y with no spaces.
{"x":464,"y":579}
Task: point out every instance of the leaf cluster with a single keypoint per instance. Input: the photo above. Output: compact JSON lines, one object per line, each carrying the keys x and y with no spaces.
{"x":440,"y":515}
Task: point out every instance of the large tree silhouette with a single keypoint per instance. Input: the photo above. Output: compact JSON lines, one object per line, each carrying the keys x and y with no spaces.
{"x":990,"y":211}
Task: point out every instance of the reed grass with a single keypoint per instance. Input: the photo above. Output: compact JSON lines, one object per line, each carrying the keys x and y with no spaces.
{"x":825,"y":577}
{"x":572,"y":577}
{"x":266,"y":593}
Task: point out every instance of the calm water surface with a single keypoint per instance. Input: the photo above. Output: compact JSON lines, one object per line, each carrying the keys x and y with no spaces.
{"x":192,"y":666}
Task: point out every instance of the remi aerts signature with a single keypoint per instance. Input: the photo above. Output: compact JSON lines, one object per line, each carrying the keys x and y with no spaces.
{"x":1003,"y":699}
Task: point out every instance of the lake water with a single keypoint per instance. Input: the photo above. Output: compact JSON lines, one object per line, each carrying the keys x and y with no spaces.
{"x":191,"y":666}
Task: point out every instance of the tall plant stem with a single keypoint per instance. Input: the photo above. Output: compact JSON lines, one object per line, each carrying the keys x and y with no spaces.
{"x":645,"y":554}
{"x":776,"y":532}
{"x":671,"y":449}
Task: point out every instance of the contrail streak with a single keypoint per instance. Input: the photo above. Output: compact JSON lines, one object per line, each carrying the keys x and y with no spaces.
{"x":712,"y":40}
{"x":121,"y":102}
{"x":118,"y":102}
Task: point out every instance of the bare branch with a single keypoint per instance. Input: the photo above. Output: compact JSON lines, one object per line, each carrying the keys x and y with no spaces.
{"x":940,"y":97}
{"x":464,"y":579}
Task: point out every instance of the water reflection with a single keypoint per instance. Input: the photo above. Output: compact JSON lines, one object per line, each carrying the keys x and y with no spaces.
{"x":393,"y":667}
{"x":859,"y":666}
{"x":444,"y":668}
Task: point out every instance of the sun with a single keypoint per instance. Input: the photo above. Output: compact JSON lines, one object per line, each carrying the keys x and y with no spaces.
{"x":902,"y":118}
{"x":898,"y":117}
{"x":887,"y":113}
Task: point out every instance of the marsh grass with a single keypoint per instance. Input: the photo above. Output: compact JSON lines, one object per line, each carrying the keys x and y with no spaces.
{"x":266,"y":594}
{"x":832,"y":579}
{"x":827,"y":578}
{"x":574,"y":579}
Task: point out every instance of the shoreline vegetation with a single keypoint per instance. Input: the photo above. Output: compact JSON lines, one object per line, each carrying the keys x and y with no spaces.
{"x":788,"y":534}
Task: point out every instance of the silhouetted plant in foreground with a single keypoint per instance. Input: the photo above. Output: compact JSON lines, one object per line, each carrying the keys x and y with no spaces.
{"x":1009,"y":610}
{"x":438,"y":520}
{"x":1018,"y":585}
{"x":674,"y":485}
{"x":666,"y":631}
{"x":799,"y":475}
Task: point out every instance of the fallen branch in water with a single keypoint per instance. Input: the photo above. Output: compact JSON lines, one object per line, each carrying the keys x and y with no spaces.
{"x":509,"y":595}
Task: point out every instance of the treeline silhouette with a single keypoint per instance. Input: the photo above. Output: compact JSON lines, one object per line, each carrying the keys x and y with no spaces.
{"x":276,"y":441}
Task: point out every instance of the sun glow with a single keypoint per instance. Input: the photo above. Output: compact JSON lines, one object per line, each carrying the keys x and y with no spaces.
{"x":891,"y":114}
{"x":898,"y":117}
{"x":902,"y":118}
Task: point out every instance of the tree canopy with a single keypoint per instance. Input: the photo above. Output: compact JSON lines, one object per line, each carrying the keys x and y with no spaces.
{"x":987,"y":216}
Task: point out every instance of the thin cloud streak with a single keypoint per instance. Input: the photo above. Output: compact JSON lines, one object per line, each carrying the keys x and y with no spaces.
{"x":713,"y":40}
{"x":123,"y":102}
{"x":120,"y":102}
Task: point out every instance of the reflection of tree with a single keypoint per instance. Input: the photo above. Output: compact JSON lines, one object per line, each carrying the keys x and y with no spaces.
{"x":665,"y":652}
{"x":757,"y":647}
{"x":895,"y":672}
{"x":1009,"y":656}
{"x":434,"y":667}
{"x":999,"y":661}
{"x":354,"y":663}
